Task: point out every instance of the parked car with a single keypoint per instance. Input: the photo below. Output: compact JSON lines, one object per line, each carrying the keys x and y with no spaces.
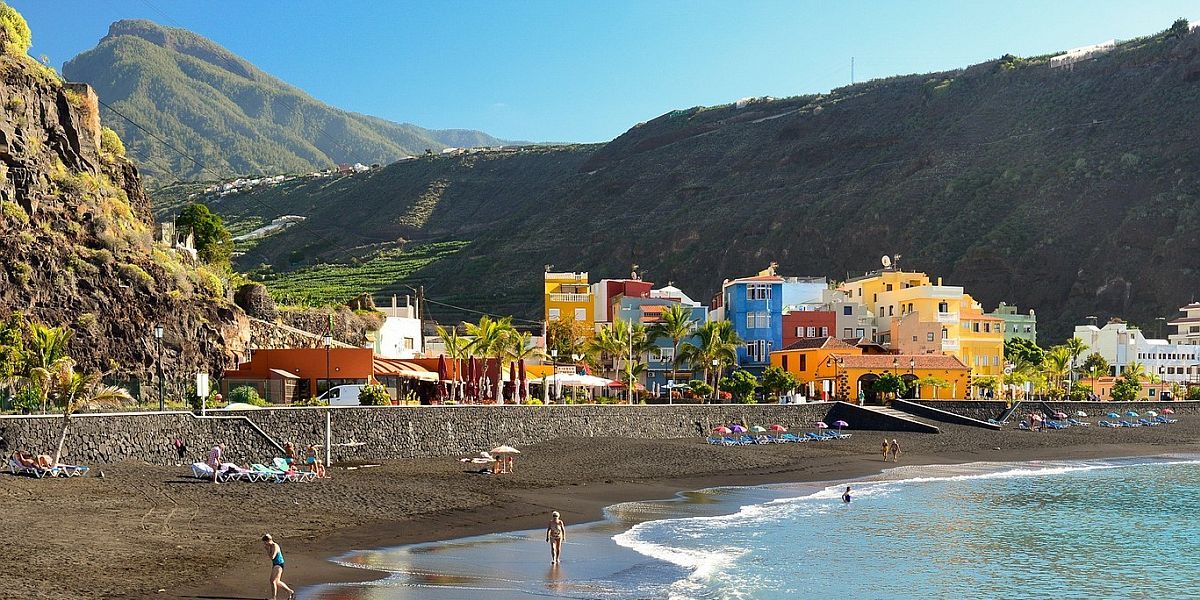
{"x":342,"y":395}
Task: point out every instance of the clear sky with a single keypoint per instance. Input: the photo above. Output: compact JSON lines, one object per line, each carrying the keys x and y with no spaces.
{"x":565,"y":70}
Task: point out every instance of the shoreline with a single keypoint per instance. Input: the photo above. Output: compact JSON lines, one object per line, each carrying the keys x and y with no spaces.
{"x":587,"y":503}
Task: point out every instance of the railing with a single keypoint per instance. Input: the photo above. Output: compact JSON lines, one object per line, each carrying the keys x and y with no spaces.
{"x":570,"y":297}
{"x":947,"y":317}
{"x":949,"y":344}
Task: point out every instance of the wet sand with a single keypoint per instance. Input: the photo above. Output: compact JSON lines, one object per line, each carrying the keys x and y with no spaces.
{"x":144,"y":531}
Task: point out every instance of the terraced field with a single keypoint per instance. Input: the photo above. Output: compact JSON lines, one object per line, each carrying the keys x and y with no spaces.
{"x":337,"y":283}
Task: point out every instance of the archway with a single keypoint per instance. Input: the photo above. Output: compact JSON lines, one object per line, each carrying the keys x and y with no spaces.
{"x":866,"y":391}
{"x":912,"y":390}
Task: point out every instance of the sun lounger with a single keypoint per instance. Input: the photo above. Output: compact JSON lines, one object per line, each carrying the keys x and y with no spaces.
{"x":293,"y":473}
{"x":1147,"y":423}
{"x":712,"y":439}
{"x":17,"y":468}
{"x":232,"y":472}
{"x":1165,"y":420}
{"x":791,"y":437}
{"x":815,"y":436}
{"x":1107,"y":424}
{"x":1078,"y":423}
{"x":72,"y":470}
{"x":1124,"y":423}
{"x":266,"y":473}
{"x":1023,"y":425}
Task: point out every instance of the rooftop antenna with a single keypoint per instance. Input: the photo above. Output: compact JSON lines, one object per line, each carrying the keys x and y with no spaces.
{"x":548,"y":267}
{"x":896,"y":262}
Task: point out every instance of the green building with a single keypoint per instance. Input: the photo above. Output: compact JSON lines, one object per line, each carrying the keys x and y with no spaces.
{"x":1016,"y":324}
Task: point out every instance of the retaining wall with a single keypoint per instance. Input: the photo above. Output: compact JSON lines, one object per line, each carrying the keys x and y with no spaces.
{"x":991,"y":409}
{"x":391,"y":432}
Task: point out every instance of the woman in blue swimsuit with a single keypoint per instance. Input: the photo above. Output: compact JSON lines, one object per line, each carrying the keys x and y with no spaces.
{"x":276,"y":555}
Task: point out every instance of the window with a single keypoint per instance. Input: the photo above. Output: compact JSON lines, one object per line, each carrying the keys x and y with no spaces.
{"x":758,"y":291}
{"x":847,"y":332}
{"x":756,"y":350}
{"x":581,"y":314}
{"x":409,"y":343}
{"x":874,"y":298}
{"x":860,"y":333}
{"x":945,"y":334}
{"x":848,"y":310}
{"x":891,"y":310}
{"x":812,"y":332}
{"x":663,"y":355}
{"x":1151,"y":390}
{"x":889,"y":287}
{"x":554,"y":314}
{"x":784,"y":360}
{"x":758,"y":320}
{"x":929,"y":337}
{"x":799,"y":332}
{"x":976,"y":325}
{"x":860,"y":292}
{"x":803,"y":362}
{"x":824,"y":332}
{"x":914,"y":338}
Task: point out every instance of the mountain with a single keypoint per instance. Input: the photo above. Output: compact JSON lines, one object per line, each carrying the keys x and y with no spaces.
{"x":232,"y":117}
{"x":77,"y":237}
{"x":1072,"y":190}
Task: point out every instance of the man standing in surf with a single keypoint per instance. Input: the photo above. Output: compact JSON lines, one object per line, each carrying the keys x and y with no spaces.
{"x":556,"y":532}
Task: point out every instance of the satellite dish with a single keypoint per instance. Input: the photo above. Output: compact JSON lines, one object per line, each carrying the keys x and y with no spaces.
{"x":886,"y":260}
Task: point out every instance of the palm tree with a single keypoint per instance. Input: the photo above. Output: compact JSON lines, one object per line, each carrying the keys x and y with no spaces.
{"x":520,"y":347}
{"x":1057,"y":364}
{"x":1136,"y":371}
{"x":716,"y":341}
{"x":607,"y":345}
{"x":491,"y":336}
{"x":45,"y":347}
{"x":456,"y":350}
{"x":675,"y":324}
{"x":76,"y":392}
{"x":1075,"y":347}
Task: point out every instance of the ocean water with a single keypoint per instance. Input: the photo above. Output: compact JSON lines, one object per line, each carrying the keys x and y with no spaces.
{"x":1071,"y":529}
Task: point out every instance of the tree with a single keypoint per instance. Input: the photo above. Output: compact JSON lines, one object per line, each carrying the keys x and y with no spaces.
{"x":714,"y":341}
{"x":44,"y":347}
{"x":15,"y":29}
{"x":937,"y":383}
{"x":75,"y":392}
{"x":1126,"y":388}
{"x":986,"y":382}
{"x":675,"y":324}
{"x":213,"y":242}
{"x":456,"y":350}
{"x":889,"y":383}
{"x":1136,"y":371}
{"x":776,"y":381}
{"x":1057,"y":365}
{"x":12,"y":350}
{"x":1179,"y":28}
{"x":741,"y":384}
{"x":111,"y":143}
{"x":521,"y":347}
{"x":566,"y":336}
{"x":1075,"y":347}
{"x":1095,"y":365}
{"x":1021,"y":349}
{"x":701,"y":389}
{"x":492,"y":337}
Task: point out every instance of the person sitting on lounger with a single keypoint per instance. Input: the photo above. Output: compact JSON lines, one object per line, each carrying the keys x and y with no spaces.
{"x":289,"y":454}
{"x":25,"y":459}
{"x":44,"y":461}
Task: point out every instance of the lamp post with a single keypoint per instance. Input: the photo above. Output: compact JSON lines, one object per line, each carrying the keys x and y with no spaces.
{"x":327,"y":339}
{"x":158,"y":340}
{"x":836,"y":363}
{"x":717,"y":377}
{"x":554,"y":370}
{"x":912,"y":372}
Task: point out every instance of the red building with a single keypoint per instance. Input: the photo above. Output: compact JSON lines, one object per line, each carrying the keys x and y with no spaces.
{"x":807,"y":324}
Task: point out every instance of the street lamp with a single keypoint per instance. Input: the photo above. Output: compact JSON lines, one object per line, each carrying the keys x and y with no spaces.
{"x":554,"y":370}
{"x":327,"y":339}
{"x":158,"y":339}
{"x":716,"y":377}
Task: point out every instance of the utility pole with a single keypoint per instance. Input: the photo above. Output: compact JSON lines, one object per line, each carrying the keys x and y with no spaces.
{"x":421,"y":303}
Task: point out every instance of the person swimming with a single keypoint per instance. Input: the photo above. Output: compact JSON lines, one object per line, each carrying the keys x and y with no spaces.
{"x":846,"y":495}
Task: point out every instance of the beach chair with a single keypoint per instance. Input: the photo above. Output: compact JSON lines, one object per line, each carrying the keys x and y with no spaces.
{"x":1124,"y":423}
{"x":271,"y":474}
{"x":1165,"y":420}
{"x":1148,"y":423}
{"x":232,"y":472}
{"x":292,"y":473}
{"x":791,"y":437}
{"x":714,"y":440}
{"x":1077,"y":423}
{"x":1106,"y":424}
{"x":17,"y":468}
{"x":1023,"y":425}
{"x":201,"y":470}
{"x":72,"y":470}
{"x":816,"y":437}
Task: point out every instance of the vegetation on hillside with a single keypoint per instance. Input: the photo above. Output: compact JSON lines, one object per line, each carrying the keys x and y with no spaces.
{"x":233,"y":118}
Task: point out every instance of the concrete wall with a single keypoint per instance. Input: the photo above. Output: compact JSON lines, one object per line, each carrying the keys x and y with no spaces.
{"x":940,"y":414}
{"x":392,"y":432}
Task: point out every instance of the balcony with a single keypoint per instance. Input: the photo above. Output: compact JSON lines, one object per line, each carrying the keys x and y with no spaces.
{"x":572,"y":298}
{"x":947,"y":317}
{"x":949,"y":344}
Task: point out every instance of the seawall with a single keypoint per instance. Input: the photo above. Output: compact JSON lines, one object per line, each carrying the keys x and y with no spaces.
{"x":383,"y":433}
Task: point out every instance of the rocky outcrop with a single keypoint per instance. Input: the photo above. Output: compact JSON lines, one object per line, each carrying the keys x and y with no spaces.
{"x":75,"y":240}
{"x":349,"y":326}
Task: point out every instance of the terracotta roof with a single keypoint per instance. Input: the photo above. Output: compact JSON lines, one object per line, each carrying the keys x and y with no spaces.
{"x":820,"y":342}
{"x":1185,"y":320}
{"x":888,"y":361}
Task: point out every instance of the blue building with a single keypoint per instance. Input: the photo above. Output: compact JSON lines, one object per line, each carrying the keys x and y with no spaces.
{"x":755,"y":307}
{"x":659,"y":366}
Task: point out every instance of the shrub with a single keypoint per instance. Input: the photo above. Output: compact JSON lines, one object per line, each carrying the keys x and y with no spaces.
{"x":374,"y":395}
{"x":21,"y":272}
{"x":14,"y":103}
{"x":311,"y":401}
{"x":1193,"y":393}
{"x":700,"y":388}
{"x":17,"y":30}
{"x":246,"y":394}
{"x":136,"y":273}
{"x":13,"y":211}
{"x":111,"y":143}
{"x":532,"y":402}
{"x":27,"y":400}
{"x":740,"y":385}
{"x":1125,"y":389}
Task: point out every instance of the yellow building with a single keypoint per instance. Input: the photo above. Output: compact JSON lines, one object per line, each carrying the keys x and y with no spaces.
{"x":830,"y":369}
{"x":568,"y":296}
{"x":917,"y":316}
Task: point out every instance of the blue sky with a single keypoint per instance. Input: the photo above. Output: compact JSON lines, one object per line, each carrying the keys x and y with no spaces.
{"x":565,"y":70}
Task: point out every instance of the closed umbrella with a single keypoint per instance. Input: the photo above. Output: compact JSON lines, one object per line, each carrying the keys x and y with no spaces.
{"x":510,"y":388}
{"x":524,"y":389}
{"x":443,"y":375}
{"x":498,"y":381}
{"x":470,"y":390}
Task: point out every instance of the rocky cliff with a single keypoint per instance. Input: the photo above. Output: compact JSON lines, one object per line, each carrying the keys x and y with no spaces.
{"x":77,"y":240}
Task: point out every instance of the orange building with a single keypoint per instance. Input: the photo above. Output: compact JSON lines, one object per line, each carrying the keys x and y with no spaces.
{"x":831,"y":369}
{"x":286,"y":375}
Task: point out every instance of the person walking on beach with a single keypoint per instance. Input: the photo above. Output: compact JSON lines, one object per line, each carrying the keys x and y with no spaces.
{"x":214,"y":460}
{"x":886,"y":449}
{"x":846,"y":495}
{"x":276,"y":554}
{"x":556,"y":532}
{"x":895,"y":448}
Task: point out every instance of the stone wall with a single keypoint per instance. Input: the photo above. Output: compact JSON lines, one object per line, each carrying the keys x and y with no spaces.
{"x":941,"y":414}
{"x":991,"y":409}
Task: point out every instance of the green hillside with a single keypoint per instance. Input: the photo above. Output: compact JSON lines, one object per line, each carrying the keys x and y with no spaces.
{"x":1071,"y":191}
{"x":231,"y":116}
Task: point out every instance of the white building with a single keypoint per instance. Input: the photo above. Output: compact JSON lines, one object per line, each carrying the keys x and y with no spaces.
{"x":1187,"y":327}
{"x":400,"y":335}
{"x":1121,"y":344}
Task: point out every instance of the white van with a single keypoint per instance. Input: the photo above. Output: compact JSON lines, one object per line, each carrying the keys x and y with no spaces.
{"x":342,"y":395}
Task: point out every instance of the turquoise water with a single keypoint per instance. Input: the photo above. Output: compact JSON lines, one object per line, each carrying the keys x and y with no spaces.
{"x":1078,"y":529}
